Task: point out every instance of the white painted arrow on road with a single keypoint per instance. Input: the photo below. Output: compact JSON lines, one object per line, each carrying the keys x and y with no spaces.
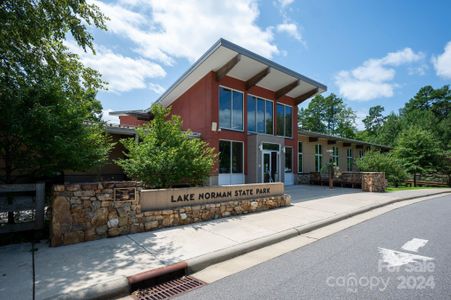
{"x":396,"y":258}
{"x":414,"y":244}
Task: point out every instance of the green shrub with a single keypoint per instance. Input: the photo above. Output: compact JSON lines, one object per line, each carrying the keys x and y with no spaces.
{"x":374,"y":161}
{"x":165,"y":155}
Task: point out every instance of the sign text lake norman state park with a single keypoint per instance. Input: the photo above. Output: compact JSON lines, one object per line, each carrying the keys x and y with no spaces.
{"x":169,"y":198}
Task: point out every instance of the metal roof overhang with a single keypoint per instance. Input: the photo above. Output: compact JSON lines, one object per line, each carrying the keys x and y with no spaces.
{"x":314,"y":134}
{"x":247,"y":66}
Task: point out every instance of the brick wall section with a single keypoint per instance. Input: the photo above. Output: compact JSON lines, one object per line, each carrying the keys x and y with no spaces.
{"x":84,"y":212}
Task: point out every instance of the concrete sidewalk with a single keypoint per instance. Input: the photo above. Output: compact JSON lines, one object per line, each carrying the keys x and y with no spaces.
{"x":67,"y":269}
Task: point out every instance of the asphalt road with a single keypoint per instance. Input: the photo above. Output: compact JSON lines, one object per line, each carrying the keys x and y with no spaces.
{"x":358,"y":262}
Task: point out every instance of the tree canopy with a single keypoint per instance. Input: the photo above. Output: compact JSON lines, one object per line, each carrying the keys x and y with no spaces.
{"x":328,"y":115}
{"x":164,"y":155}
{"x":429,"y":109}
{"x":418,"y":150}
{"x":420,"y":133}
{"x":50,"y":114}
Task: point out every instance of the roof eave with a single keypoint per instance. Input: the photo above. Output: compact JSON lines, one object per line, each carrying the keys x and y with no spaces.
{"x":328,"y":136}
{"x":240,"y":50}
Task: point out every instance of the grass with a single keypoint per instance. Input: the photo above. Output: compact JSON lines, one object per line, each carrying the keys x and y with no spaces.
{"x":408,"y":188}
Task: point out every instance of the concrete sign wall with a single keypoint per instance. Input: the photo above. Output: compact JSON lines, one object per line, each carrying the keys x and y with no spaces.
{"x":170,"y":198}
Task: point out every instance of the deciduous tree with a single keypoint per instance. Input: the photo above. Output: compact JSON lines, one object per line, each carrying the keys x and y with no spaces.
{"x":50,"y":115}
{"x":164,"y":155}
{"x":328,"y":115}
{"x":419,"y":151}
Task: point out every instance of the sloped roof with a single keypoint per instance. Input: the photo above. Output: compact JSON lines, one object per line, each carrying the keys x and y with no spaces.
{"x":245,"y":66}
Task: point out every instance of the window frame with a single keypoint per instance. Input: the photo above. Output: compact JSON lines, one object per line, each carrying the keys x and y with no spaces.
{"x":231,"y":108}
{"x":231,"y":155}
{"x":335,"y":156}
{"x":255,"y":116}
{"x":349,"y":159}
{"x":284,"y":127}
{"x":300,"y":157}
{"x":319,"y":156}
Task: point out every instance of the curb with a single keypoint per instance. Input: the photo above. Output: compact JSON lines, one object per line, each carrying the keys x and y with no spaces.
{"x":123,"y":286}
{"x":106,"y":290}
{"x":201,"y":262}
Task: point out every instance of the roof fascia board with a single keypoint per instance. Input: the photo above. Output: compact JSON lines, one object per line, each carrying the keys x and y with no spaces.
{"x":242,"y":51}
{"x":338,"y":138}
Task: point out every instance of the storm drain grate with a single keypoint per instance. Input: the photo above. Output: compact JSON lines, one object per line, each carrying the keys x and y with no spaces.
{"x":169,"y":289}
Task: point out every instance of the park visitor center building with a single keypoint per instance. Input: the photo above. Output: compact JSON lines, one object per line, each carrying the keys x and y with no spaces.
{"x":246,"y":107}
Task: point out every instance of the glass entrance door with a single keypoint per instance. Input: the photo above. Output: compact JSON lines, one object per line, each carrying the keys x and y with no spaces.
{"x":270,"y":168}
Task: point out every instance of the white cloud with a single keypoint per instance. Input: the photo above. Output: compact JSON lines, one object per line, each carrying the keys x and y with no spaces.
{"x":122,"y":73}
{"x":374,"y":78}
{"x":158,"y":89}
{"x":291,"y":29}
{"x":108,"y":118}
{"x":442,"y":63}
{"x":167,"y":30}
{"x":404,"y":56}
{"x":418,"y":70}
{"x":285,"y":3}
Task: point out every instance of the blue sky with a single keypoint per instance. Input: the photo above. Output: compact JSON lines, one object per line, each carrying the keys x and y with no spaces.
{"x":367,"y":52}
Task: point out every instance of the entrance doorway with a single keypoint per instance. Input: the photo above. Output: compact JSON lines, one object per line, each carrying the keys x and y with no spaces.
{"x":270,"y":170}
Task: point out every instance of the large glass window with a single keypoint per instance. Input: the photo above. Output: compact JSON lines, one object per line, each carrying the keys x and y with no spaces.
{"x":230,"y":157}
{"x":269,"y":121}
{"x":318,"y":157}
{"x":280,"y":117}
{"x":251,"y":103}
{"x":237,"y":157}
{"x":288,"y":159}
{"x":230,"y":109}
{"x":300,"y":157}
{"x":259,"y":115}
{"x":349,"y":159}
{"x":269,"y":146}
{"x":284,"y":120}
{"x":288,"y":121}
{"x":224,"y":157}
{"x":335,"y":155}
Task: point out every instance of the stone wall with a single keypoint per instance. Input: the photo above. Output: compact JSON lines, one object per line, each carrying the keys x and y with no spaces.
{"x":303,"y":178}
{"x":84,"y":212}
{"x":368,"y":181}
{"x":373,"y":182}
{"x":350,"y":179}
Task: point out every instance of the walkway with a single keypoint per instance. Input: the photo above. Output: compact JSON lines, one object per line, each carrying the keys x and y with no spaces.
{"x":70,"y":268}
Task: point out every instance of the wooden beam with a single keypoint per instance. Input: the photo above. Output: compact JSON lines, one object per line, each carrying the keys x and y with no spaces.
{"x":227,"y":67}
{"x":312,"y":139}
{"x":256,"y":78}
{"x":331,"y":142}
{"x":286,"y":89}
{"x":303,"y":97}
{"x":346,"y":144}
